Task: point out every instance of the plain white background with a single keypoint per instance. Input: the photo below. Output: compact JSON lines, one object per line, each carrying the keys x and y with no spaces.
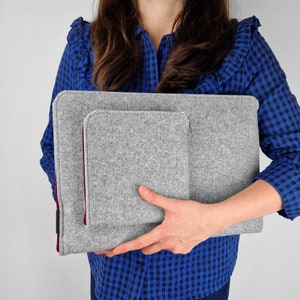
{"x":33,"y":36}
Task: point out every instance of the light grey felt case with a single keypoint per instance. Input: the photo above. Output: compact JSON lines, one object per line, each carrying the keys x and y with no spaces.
{"x":223,"y":155}
{"x":124,"y":149}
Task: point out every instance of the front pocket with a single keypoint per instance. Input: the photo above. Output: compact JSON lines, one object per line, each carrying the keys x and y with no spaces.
{"x":125,"y":149}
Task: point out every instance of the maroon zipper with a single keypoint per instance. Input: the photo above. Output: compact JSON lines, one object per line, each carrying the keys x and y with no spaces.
{"x":84,"y":185}
{"x":57,"y":216}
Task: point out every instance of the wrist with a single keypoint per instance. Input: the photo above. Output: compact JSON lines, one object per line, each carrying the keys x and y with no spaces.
{"x":257,"y":200}
{"x":222,"y":215}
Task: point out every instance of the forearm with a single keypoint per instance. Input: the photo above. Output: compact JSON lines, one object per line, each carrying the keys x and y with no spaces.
{"x":257,"y":200}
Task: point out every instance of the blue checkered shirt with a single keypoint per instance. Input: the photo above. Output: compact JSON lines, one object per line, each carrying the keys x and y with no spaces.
{"x":249,"y":69}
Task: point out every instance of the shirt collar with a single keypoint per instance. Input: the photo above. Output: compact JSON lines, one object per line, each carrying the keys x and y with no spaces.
{"x":139,"y":30}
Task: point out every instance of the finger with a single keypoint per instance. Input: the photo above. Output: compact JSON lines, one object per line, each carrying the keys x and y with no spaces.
{"x":103,"y":251}
{"x":138,"y":243}
{"x":156,"y":199}
{"x":154,"y":248}
{"x":106,"y":252}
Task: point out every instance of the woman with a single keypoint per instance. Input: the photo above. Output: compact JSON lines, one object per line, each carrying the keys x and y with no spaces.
{"x":188,"y":46}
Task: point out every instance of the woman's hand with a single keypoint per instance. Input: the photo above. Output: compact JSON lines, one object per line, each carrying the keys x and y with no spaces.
{"x":186,"y":224}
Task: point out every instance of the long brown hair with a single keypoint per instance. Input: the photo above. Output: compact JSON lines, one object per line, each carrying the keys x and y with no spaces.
{"x":204,"y":37}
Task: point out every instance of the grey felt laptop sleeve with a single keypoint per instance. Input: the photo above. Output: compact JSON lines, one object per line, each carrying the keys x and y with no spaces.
{"x":207,"y":150}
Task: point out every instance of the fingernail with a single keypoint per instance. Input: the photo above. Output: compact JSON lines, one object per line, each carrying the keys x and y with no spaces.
{"x":143,"y":188}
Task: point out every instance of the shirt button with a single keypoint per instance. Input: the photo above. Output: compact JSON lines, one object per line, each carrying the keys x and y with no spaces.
{"x":165,"y":52}
{"x":140,"y":264}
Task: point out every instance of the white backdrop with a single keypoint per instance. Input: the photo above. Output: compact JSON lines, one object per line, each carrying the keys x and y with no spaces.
{"x":33,"y":36}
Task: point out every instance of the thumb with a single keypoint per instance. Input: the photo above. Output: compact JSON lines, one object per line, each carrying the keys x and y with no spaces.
{"x":156,"y":199}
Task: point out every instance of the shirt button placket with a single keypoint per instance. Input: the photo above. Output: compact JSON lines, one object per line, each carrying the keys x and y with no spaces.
{"x":136,"y":280}
{"x":140,"y":264}
{"x":140,"y":260}
{"x":140,"y":271}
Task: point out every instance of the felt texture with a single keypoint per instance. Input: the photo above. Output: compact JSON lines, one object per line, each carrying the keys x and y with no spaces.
{"x":223,"y":155}
{"x":124,"y":149}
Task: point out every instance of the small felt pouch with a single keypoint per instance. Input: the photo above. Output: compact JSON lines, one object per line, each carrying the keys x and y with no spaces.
{"x":125,"y":149}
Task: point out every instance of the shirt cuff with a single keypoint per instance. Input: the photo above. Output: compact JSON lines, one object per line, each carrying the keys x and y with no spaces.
{"x":285,"y":178}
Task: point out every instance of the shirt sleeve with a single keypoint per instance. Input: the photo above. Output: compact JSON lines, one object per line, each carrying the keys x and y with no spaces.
{"x":65,"y":80}
{"x":279,"y":126}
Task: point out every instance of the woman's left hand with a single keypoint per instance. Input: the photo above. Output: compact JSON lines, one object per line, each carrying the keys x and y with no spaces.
{"x":186,"y":224}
